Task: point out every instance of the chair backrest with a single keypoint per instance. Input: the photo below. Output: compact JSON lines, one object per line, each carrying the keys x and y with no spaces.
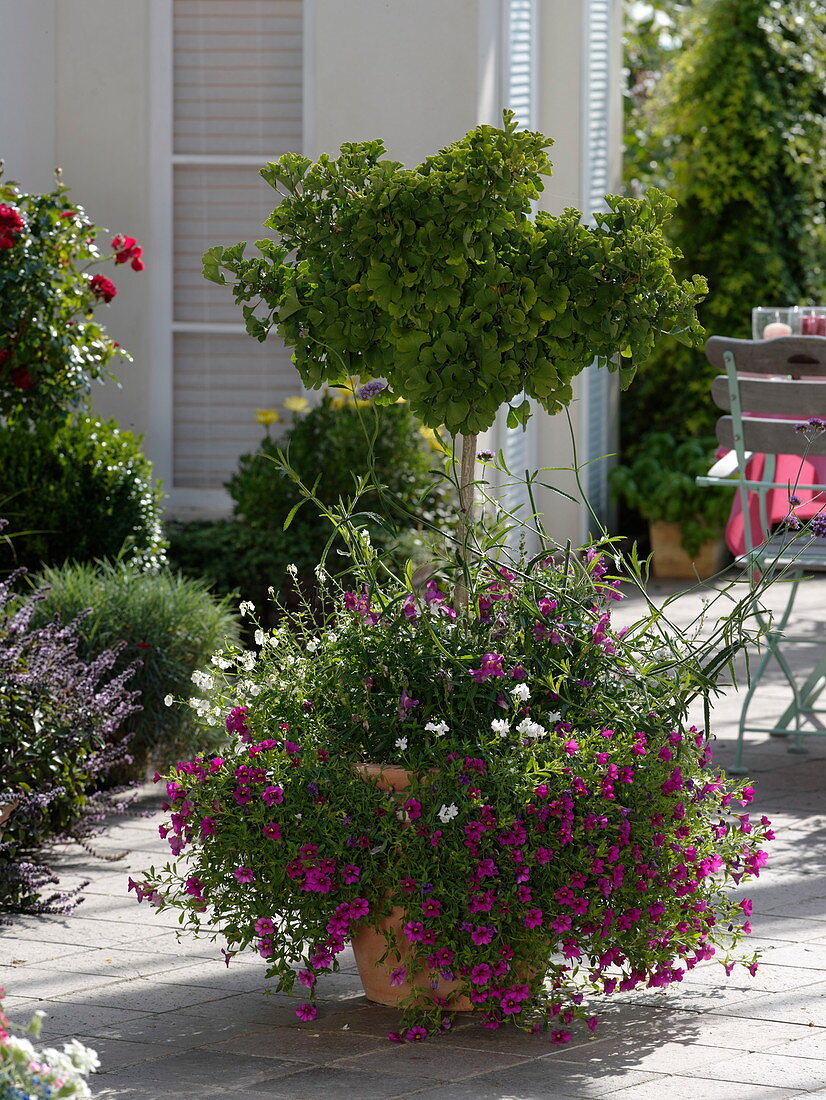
{"x":769,"y":390}
{"x":768,"y":387}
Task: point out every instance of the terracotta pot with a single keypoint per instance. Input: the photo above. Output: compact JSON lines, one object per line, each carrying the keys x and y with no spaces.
{"x":671,"y":562}
{"x":370,"y":944}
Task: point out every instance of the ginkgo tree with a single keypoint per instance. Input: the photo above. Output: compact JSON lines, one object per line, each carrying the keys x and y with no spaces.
{"x":442,"y":281}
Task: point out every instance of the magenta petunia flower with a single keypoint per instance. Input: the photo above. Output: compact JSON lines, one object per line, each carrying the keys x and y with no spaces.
{"x":272,"y":796}
{"x":207,"y":826}
{"x":307,"y":978}
{"x":264,"y":926}
{"x":273,"y":830}
{"x":415,"y":1034}
{"x":398,"y":976}
{"x":306,"y":1012}
{"x":350,"y":873}
{"x":244,"y":874}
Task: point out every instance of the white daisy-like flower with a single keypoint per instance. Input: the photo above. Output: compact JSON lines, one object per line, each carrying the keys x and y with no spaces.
{"x":447,"y":813}
{"x":401,"y":743}
{"x":439,"y":728}
{"x":521,"y":691}
{"x":501,"y":726}
{"x":168,"y":700}
{"x":528,"y":728}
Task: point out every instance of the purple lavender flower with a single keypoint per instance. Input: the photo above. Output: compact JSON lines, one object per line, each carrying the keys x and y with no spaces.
{"x":369,"y":390}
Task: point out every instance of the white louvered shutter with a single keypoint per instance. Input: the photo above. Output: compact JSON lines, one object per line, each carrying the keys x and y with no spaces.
{"x":237,"y":104}
{"x":519,"y":95}
{"x":598,"y":106}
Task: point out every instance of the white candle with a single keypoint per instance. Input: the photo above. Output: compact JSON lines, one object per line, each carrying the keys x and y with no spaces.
{"x":775,"y":329}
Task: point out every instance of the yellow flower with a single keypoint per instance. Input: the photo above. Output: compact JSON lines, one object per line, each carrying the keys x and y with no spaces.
{"x":268,"y":416}
{"x":296,"y":404}
{"x":432,"y":438}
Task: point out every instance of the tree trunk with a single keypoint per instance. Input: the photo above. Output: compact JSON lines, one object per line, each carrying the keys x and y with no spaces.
{"x":467,"y":495}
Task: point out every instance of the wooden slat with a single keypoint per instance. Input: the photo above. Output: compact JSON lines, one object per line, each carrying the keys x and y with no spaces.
{"x":801,"y":356}
{"x":774,"y":396}
{"x":772,"y":437}
{"x":219,"y":384}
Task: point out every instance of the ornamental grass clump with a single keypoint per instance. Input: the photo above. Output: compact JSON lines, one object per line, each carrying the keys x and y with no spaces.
{"x":563,"y":833}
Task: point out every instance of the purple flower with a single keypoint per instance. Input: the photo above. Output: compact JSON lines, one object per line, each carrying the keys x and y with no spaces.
{"x":244,"y":874}
{"x":483,"y":934}
{"x":207,"y":826}
{"x":415,"y":1034}
{"x":307,"y":978}
{"x":306,"y":1012}
{"x":485,"y":456}
{"x":350,"y":873}
{"x":491,"y":665}
{"x":406,"y":703}
{"x":317,"y":882}
{"x":398,"y":976}
{"x":264,"y":926}
{"x":272,"y":830}
{"x":370,"y":389}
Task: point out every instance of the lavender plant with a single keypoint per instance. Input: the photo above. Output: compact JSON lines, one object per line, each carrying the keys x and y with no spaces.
{"x":60,"y":722}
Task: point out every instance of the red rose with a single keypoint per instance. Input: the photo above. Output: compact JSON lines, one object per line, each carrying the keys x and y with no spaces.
{"x":11,"y":225}
{"x":21,"y":378}
{"x":102,"y":287}
{"x":126,"y":249}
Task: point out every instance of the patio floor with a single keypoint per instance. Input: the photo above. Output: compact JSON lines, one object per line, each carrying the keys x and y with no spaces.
{"x":170,"y":1021}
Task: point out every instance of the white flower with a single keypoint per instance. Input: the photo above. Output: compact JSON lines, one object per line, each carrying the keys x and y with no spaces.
{"x":501,"y":726}
{"x":554,"y":717}
{"x":293,"y":569}
{"x":439,"y":728}
{"x":447,"y":813}
{"x":220,"y":662}
{"x":521,"y":691}
{"x":401,"y":743}
{"x":246,"y":661}
{"x":312,"y":645}
{"x":531,"y":729}
{"x":203,"y":680}
{"x":168,"y":700}
{"x":246,"y":608}
{"x":260,"y":637}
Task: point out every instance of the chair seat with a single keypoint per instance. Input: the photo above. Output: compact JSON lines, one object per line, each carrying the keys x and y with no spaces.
{"x":782,"y":552}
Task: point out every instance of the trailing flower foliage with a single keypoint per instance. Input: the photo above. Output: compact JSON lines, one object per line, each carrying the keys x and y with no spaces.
{"x":440,"y":281}
{"x":563,"y":833}
{"x":51,"y":347}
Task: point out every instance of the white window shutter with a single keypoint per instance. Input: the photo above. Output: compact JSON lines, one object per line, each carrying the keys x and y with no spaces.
{"x":237,"y":74}
{"x":597,"y":181}
{"x":519,"y":95}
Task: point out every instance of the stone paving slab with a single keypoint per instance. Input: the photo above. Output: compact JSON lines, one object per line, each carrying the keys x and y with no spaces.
{"x":170,"y":1021}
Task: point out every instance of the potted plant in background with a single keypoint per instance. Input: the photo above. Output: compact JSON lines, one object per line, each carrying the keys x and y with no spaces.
{"x":555,"y":828}
{"x":685,"y":521}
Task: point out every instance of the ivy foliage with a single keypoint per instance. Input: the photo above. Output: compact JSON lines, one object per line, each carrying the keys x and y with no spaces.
{"x":738,"y":131}
{"x":439,"y":279}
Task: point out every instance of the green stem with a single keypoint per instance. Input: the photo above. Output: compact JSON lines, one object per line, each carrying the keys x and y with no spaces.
{"x":467,"y":495}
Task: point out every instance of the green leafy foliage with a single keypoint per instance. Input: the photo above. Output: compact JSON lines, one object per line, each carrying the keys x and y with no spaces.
{"x":170,"y":624}
{"x":51,"y":346}
{"x":659,"y":485}
{"x":737,"y":130}
{"x":80,"y":490}
{"x":438,"y":280}
{"x":330,"y":447}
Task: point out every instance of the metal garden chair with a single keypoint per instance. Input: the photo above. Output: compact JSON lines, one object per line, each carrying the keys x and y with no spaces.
{"x":769,"y":389}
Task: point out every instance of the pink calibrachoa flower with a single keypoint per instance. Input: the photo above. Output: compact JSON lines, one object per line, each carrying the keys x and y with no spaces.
{"x":265,"y":947}
{"x":306,"y":978}
{"x":272,"y":796}
{"x":244,"y":874}
{"x":398,"y":976}
{"x":415,"y":1034}
{"x":306,"y":1012}
{"x":207,"y":826}
{"x":264,"y":926}
{"x":272,"y":830}
{"x":350,"y":874}
{"x":483,"y":934}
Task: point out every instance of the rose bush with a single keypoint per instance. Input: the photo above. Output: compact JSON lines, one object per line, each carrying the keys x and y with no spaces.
{"x":51,"y":346}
